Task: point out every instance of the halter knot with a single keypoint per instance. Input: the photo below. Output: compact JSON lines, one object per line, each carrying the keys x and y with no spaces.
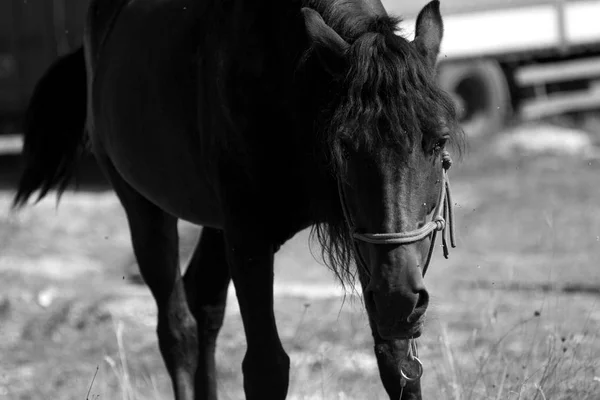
{"x":440,"y":223}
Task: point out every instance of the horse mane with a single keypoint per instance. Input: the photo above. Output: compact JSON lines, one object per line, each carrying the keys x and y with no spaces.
{"x":389,"y":87}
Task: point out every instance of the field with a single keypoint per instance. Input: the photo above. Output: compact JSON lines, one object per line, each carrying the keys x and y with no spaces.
{"x":515,"y":311}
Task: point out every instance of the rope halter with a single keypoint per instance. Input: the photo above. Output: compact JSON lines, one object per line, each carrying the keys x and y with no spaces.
{"x":443,"y":218}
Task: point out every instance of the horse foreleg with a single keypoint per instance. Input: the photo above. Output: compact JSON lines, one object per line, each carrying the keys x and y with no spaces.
{"x":206,"y":282}
{"x":155,"y":244}
{"x":266,"y":365}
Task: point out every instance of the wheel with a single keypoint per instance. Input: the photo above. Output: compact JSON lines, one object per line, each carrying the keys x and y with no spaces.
{"x":481,"y":94}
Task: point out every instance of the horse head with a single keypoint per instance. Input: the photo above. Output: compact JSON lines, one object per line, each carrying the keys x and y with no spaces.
{"x":387,"y":125}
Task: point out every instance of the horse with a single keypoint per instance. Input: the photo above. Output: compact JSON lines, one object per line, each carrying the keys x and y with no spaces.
{"x":257,"y":120}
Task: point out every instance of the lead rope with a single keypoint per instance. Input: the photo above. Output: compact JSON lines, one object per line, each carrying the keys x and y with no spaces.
{"x":411,"y":368}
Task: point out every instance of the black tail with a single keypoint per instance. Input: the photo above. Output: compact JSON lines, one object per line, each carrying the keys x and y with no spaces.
{"x":54,"y":128}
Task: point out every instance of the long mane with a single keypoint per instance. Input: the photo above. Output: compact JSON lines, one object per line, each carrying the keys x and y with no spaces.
{"x":387,"y":87}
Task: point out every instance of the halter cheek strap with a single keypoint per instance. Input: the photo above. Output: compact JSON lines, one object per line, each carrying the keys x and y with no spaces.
{"x":443,"y":218}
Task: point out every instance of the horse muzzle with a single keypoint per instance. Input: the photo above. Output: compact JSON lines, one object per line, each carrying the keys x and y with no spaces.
{"x":398,"y":314}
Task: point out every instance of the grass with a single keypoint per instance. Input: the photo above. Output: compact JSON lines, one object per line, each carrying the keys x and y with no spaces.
{"x":514,"y":313}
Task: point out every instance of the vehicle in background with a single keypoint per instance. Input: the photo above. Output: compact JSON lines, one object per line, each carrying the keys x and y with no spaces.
{"x":529,"y":58}
{"x":525,"y":58}
{"x":33,"y":33}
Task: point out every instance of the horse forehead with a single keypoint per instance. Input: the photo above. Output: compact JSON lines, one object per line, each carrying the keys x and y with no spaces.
{"x":376,"y":6}
{"x":396,"y":164}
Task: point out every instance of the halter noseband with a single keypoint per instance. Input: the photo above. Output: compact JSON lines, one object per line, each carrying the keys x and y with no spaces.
{"x":443,"y":218}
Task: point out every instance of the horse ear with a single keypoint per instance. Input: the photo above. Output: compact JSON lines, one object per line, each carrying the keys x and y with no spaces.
{"x":429,"y":32}
{"x":329,"y":46}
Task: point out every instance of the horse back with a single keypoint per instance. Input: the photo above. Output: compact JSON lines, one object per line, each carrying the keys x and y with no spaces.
{"x":101,"y":16}
{"x":189,"y":103}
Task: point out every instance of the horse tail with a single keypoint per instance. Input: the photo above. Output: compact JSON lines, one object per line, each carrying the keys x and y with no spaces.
{"x":54,"y":129}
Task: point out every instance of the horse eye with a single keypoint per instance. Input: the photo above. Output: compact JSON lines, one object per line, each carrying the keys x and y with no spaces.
{"x":439,"y":145}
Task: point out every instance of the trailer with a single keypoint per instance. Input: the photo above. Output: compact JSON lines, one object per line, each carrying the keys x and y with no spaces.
{"x":499,"y":58}
{"x":525,"y":58}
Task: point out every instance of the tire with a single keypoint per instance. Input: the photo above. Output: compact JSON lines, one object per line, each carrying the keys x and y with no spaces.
{"x":481,"y":93}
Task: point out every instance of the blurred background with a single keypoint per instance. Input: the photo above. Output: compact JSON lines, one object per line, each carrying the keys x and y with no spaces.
{"x":515,"y":311}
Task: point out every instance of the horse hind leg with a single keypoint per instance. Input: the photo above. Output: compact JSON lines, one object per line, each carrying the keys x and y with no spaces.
{"x":206,"y":283}
{"x":155,"y":243}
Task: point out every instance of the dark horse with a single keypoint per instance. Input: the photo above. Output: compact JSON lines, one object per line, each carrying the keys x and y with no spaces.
{"x":256,"y":119}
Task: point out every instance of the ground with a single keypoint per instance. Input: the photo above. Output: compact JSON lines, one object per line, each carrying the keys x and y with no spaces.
{"x":514,"y":311}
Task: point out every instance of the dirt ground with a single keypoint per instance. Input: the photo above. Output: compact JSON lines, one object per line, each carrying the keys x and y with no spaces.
{"x":514,"y":311}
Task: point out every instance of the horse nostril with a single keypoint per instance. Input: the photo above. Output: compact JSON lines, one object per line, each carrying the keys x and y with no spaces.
{"x":420,"y":307}
{"x":423,"y":299}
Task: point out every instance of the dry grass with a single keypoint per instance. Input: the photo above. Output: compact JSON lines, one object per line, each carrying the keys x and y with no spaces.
{"x":514,"y":312}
